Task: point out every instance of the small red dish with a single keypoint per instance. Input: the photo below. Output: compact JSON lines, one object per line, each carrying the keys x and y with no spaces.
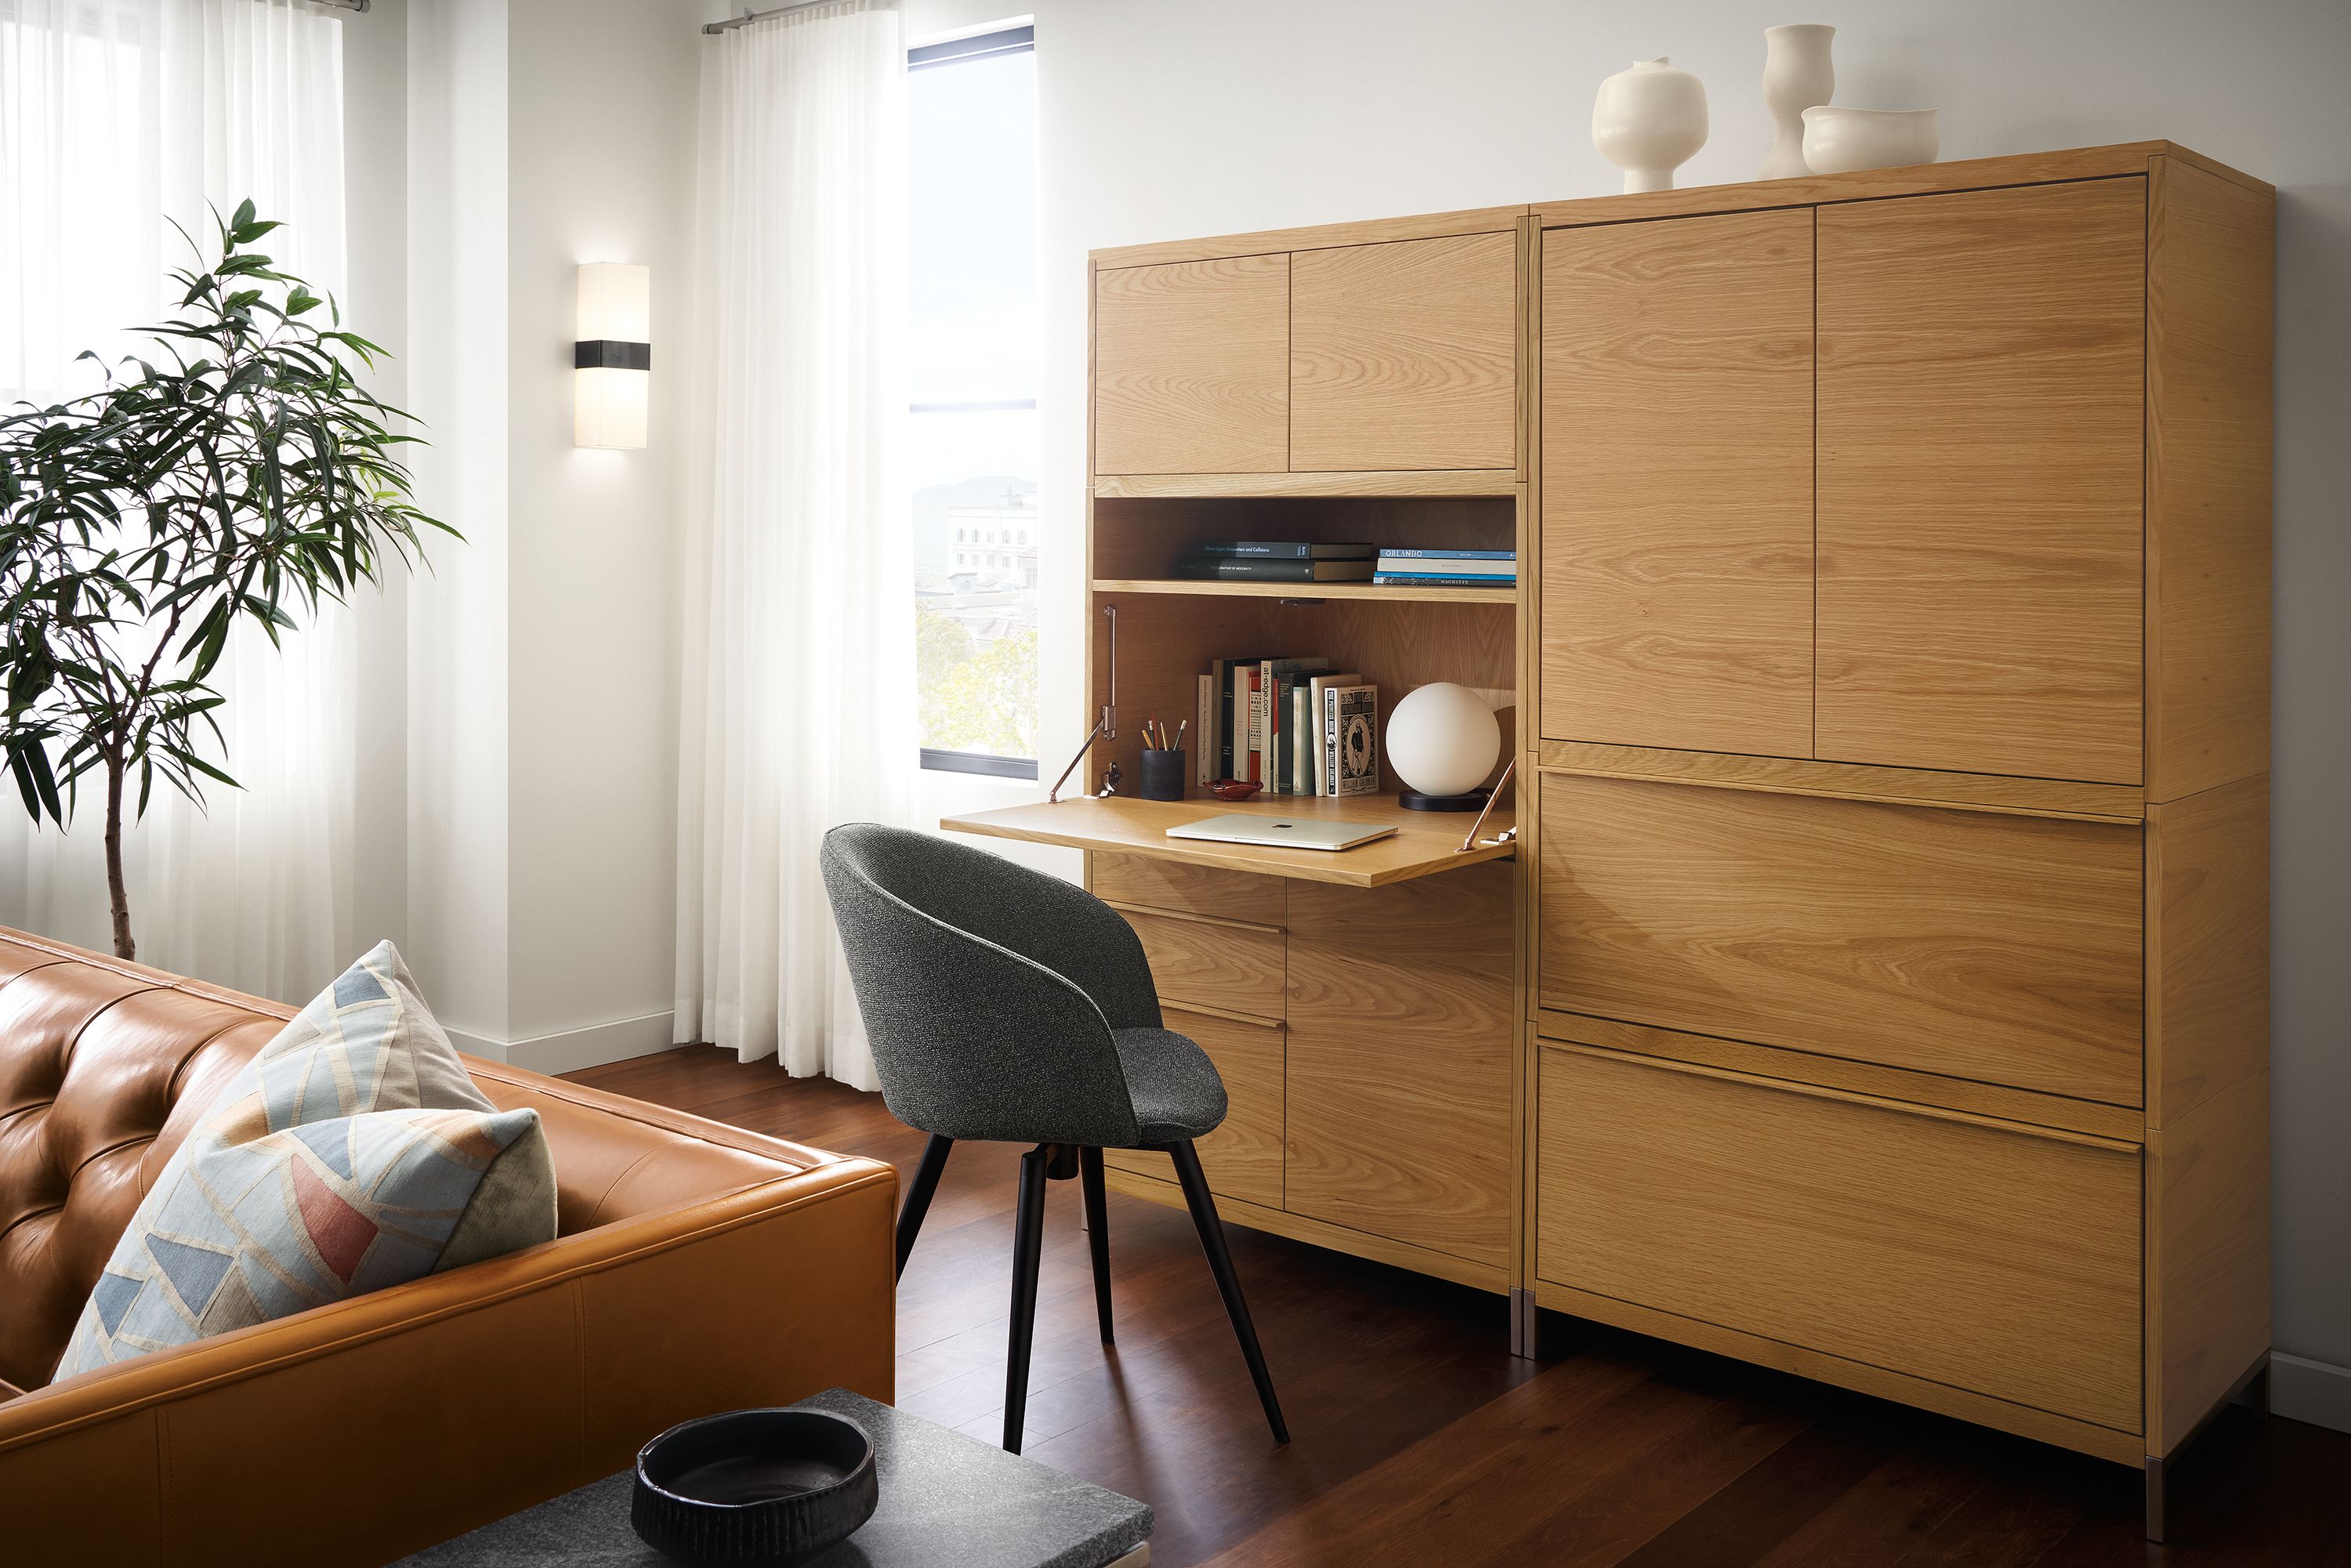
{"x":1234,"y":788}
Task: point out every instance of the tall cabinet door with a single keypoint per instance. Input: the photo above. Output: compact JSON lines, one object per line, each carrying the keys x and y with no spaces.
{"x":1677,"y":483}
{"x":1982,"y":406}
{"x":1192,"y":367}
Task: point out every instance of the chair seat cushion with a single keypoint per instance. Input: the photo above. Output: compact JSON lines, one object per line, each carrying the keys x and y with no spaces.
{"x":1176,"y":1093}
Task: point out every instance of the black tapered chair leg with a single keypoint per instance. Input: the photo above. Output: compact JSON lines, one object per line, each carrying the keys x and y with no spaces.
{"x":918,"y":1195}
{"x":1090,"y":1180}
{"x":1220,"y":1263}
{"x":1028,"y":1247}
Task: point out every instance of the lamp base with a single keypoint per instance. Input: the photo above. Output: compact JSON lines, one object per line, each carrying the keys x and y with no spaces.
{"x":1414,"y":801}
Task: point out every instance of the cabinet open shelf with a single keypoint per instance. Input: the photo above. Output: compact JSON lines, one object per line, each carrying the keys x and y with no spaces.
{"x":1309,"y":591}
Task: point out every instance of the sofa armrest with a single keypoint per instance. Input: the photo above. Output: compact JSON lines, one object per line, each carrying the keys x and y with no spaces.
{"x":358,"y":1432}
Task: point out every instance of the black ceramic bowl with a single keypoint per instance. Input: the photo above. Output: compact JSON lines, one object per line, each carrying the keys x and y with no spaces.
{"x":753,"y":1488}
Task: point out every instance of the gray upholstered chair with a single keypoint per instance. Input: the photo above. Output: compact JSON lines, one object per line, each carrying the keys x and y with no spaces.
{"x":1006,"y":1005}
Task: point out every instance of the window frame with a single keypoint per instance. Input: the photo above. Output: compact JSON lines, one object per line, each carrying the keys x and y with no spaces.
{"x":1019,"y":40}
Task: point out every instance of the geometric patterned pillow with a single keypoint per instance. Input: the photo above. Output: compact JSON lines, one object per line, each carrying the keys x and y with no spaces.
{"x":351,"y":1154}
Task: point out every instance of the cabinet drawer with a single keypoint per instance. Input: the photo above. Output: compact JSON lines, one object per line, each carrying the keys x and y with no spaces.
{"x":1188,"y":888}
{"x":1242,"y":1159}
{"x":1206,"y":963}
{"x":1984,"y":1256}
{"x":2005,"y":949}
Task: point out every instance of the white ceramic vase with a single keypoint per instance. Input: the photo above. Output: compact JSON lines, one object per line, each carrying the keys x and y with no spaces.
{"x":1840,"y":140}
{"x":1649,"y":121}
{"x":1797,"y":76}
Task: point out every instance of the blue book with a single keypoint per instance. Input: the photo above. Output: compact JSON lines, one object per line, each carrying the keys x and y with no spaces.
{"x":1386,"y":554}
{"x":1423,"y":580}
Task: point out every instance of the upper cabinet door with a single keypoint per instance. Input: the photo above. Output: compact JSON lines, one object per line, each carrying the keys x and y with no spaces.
{"x":1981,"y":460}
{"x":1403,"y":355}
{"x":1677,"y":483}
{"x":1192,"y":367}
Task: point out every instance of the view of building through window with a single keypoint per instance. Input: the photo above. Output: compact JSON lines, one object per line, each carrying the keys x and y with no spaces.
{"x":973,"y":370}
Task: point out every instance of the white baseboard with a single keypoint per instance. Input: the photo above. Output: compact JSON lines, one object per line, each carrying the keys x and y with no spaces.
{"x":574,"y":1048}
{"x":2314,"y":1390}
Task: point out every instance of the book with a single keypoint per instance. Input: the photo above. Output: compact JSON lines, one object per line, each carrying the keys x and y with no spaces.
{"x":1408,"y":580}
{"x":1400,"y":554}
{"x":1276,"y":549}
{"x":1271,"y":712}
{"x":1230,"y":743}
{"x":1204,"y":731}
{"x":1240,"y":569}
{"x":1298,"y":738}
{"x":1320,"y":783}
{"x":1448,"y":566}
{"x":1352,"y":726}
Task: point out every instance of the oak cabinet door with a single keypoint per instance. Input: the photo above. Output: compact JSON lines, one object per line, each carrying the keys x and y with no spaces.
{"x":1192,"y":367}
{"x":1981,"y":460}
{"x":1677,"y":484}
{"x":1403,"y":355}
{"x":1400,"y":1041}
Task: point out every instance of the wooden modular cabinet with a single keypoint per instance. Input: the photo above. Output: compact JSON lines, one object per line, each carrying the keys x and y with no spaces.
{"x":1900,"y":820}
{"x":1395,"y":354}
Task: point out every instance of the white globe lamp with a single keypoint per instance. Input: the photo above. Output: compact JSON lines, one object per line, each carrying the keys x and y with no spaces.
{"x":1442,"y":742}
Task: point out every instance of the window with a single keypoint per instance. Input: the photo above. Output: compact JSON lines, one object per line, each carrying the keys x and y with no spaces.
{"x":972,"y":442}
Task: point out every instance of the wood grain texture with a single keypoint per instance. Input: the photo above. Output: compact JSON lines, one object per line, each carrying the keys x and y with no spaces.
{"x":2211,"y":254}
{"x":1677,"y":484}
{"x":1802,"y":1360}
{"x":2208,"y":1240}
{"x":1826,"y":1223}
{"x":1242,"y":1159}
{"x":1372,"y":231}
{"x":1400,"y":1047}
{"x":1321,"y":1233}
{"x":2120,"y":1123}
{"x":1403,"y":355}
{"x":2208,"y":946}
{"x":1424,"y":844}
{"x":2001,"y":949}
{"x":1192,"y":367}
{"x":1390,"y":594}
{"x":1850,"y":780}
{"x":1370,"y":484}
{"x":1982,"y":443}
{"x":1922,"y":179}
{"x":1215,"y":963}
{"x":1157,"y":883}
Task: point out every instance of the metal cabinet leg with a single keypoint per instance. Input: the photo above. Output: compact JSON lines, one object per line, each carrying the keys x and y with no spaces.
{"x":1524,"y":1331}
{"x":2155,"y":1500}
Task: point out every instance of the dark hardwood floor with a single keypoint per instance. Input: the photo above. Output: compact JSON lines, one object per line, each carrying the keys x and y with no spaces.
{"x":1418,"y":1440}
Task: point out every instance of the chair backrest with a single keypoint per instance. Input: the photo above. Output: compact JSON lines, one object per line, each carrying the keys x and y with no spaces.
{"x":988,"y":990}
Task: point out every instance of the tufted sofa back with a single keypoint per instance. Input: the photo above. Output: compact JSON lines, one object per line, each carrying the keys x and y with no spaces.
{"x":104,"y":1067}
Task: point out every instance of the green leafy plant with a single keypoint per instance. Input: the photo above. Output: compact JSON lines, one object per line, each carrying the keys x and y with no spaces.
{"x":239,"y":473}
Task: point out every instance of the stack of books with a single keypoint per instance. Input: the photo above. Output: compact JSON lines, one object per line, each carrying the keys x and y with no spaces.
{"x":1278,"y":561}
{"x":1294,"y":726}
{"x":1447,"y":567}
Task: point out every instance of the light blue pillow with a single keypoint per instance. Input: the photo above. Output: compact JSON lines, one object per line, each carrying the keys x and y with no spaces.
{"x":353,"y":1153}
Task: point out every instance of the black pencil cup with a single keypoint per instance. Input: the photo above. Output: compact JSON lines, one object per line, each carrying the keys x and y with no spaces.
{"x":1163,"y":776}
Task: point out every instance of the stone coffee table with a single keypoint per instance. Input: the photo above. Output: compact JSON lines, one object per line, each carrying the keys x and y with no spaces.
{"x":947,"y":1502}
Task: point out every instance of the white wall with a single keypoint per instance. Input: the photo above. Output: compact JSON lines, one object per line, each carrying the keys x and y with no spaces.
{"x":1200,"y":117}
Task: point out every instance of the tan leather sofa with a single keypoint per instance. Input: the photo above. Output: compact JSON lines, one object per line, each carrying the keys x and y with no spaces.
{"x":698,"y":1269}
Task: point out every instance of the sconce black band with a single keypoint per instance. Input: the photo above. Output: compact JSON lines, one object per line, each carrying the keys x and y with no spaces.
{"x":611,"y":354}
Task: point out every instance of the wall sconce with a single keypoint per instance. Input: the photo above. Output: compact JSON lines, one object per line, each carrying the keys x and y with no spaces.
{"x":612,"y":360}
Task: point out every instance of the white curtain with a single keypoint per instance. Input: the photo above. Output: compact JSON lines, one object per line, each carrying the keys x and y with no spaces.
{"x":117,"y":119}
{"x":799,"y":700}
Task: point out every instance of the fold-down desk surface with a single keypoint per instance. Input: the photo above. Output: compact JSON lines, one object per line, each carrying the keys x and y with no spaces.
{"x":1425,"y":842}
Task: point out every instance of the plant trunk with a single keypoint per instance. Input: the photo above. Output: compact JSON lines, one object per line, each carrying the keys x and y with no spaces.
{"x":124,"y":945}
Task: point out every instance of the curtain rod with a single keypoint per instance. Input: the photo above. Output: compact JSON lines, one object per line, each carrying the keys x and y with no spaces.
{"x":343,"y":4}
{"x":749,"y":17}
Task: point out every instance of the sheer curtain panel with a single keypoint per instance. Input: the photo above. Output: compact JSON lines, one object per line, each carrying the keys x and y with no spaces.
{"x":799,"y":700}
{"x":119,"y":118}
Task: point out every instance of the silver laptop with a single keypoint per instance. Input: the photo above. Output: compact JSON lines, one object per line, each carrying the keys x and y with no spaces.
{"x":1284,"y":832}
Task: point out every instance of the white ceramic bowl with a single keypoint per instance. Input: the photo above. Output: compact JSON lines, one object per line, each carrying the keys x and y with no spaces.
{"x":1839,"y":140}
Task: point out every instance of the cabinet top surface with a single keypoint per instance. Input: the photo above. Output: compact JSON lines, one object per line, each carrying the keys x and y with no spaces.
{"x":1425,"y":842}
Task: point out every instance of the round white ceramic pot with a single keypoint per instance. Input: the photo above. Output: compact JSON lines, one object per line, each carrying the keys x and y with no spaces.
{"x":1838,"y":141}
{"x":1650,"y":120}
